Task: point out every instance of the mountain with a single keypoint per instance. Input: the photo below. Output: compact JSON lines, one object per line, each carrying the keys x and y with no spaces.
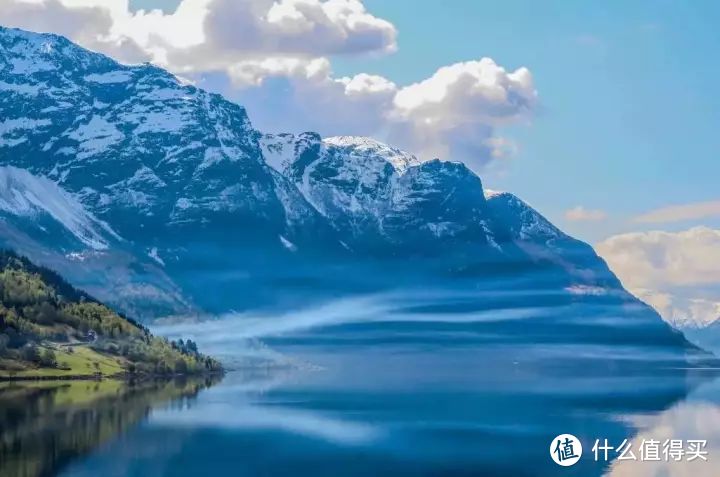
{"x":50,"y":329}
{"x":161,"y":199}
{"x":168,"y":166}
{"x":707,"y":337}
{"x":40,"y":219}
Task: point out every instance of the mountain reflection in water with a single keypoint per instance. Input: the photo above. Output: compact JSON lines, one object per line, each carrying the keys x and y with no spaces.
{"x":368,"y":413}
{"x":44,"y":425}
{"x":697,"y":417}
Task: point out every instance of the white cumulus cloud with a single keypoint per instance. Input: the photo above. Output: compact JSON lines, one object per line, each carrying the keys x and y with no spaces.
{"x":88,"y":23}
{"x":676,"y":272}
{"x":206,"y":34}
{"x":651,"y":259}
{"x":224,"y":33}
{"x":456,"y":113}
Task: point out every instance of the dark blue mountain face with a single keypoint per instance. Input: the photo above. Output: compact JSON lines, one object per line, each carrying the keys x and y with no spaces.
{"x":163,"y":199}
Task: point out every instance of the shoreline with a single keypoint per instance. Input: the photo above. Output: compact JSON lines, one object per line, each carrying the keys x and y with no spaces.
{"x":101,"y":377}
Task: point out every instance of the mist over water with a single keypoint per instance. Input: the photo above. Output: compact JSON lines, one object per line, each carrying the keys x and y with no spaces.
{"x":551,"y":323}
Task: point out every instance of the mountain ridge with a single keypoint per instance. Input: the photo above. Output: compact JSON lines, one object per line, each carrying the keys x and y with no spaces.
{"x":93,"y":135}
{"x":209,"y":214}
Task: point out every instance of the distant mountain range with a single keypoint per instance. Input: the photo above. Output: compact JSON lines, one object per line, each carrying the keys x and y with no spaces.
{"x":707,"y":337}
{"x":162,"y":199}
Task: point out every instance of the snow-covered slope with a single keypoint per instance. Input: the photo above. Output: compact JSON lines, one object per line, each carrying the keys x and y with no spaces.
{"x":24,"y":195}
{"x":381,"y":198}
{"x":361,"y":148}
{"x":40,"y":219}
{"x":135,"y":144}
{"x":520,"y":220}
{"x":540,"y":239}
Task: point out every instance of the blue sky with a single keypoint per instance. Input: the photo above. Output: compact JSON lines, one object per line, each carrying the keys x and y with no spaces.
{"x":628,"y":114}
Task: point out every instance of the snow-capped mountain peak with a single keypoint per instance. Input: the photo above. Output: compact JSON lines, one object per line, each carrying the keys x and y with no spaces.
{"x":363,"y":147}
{"x":491,"y":193}
{"x":524,"y":222}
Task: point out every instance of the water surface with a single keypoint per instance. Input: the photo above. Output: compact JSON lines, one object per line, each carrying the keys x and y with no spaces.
{"x":371,"y":393}
{"x":397,"y":411}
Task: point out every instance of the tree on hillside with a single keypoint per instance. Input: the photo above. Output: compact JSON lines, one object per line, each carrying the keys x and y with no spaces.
{"x":31,"y":354}
{"x":48,"y":359}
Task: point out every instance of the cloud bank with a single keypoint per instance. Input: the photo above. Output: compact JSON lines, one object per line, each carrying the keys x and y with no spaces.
{"x":281,"y":50}
{"x":652,"y":259}
{"x":677,"y":273}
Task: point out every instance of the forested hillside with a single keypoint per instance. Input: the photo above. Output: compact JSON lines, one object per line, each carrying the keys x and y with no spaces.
{"x":48,"y":328}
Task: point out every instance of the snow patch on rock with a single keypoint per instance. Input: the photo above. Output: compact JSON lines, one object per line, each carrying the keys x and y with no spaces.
{"x":365,"y":147}
{"x":96,"y":137}
{"x":279,"y":150}
{"x":153,"y":253}
{"x":288,"y":244}
{"x":25,"y":195}
{"x":117,"y":76}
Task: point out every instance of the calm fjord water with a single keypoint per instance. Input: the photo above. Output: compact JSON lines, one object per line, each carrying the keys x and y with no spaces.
{"x":398,"y":398}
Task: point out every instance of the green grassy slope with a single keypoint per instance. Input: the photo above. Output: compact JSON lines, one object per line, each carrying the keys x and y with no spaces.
{"x":50,"y":329}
